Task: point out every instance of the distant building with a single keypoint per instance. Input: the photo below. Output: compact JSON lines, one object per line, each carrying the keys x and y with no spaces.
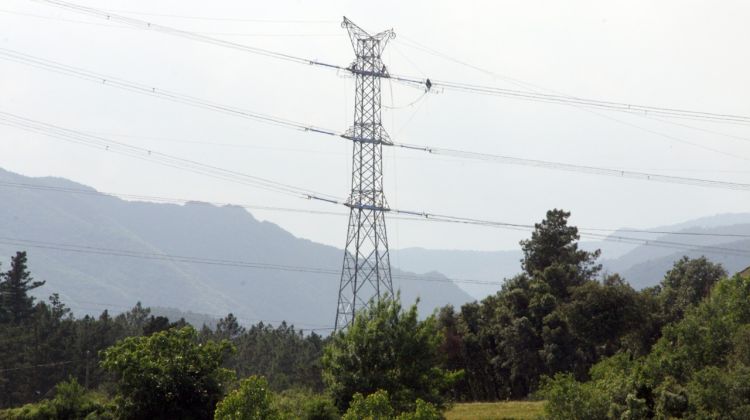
{"x":745,"y":272}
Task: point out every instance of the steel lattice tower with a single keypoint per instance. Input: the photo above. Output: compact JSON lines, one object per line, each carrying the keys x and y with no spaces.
{"x":366,"y":273}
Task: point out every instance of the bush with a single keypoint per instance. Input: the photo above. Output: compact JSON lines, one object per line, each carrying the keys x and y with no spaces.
{"x":168,"y":374}
{"x":568,"y":399}
{"x":697,"y":370}
{"x":251,"y":401}
{"x":377,"y":407}
{"x":71,"y":402}
{"x":387,"y":348}
{"x":306,"y":405}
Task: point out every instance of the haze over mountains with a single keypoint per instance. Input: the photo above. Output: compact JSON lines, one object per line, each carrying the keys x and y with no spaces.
{"x":641,"y":265}
{"x":90,"y":278}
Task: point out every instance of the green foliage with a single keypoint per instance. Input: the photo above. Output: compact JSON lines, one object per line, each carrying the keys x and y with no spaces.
{"x":720,"y":394}
{"x":306,"y":405}
{"x":319,"y":408}
{"x":698,"y":369}
{"x":50,"y":345}
{"x":387,"y":348}
{"x":552,"y":253}
{"x":376,"y":406}
{"x":251,"y":401}
{"x":283,"y":354}
{"x":422,"y":411}
{"x":686,"y":284}
{"x":568,"y":399}
{"x":71,"y":402}
{"x":16,"y":306}
{"x":554,"y":317}
{"x":168,"y":375}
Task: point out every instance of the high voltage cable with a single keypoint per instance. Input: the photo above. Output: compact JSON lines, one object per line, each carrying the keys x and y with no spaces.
{"x":103,"y":79}
{"x":414,"y":44}
{"x":39,"y":365}
{"x":603,"y":237}
{"x":185,"y":34}
{"x":223,"y":18}
{"x":434,"y":217}
{"x":102,"y":143}
{"x":420,"y":218}
{"x":592,"y":103}
{"x":69,"y":247}
{"x":448,"y":85}
{"x":283,"y":122}
{"x":60,"y":19}
{"x":576,"y":168}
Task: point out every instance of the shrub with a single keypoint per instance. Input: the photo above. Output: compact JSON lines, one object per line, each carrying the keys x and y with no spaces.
{"x":376,"y":406}
{"x":303,"y":404}
{"x":251,"y":401}
{"x":568,"y":399}
{"x":168,"y":374}
{"x":387,"y":348}
{"x":71,"y":402}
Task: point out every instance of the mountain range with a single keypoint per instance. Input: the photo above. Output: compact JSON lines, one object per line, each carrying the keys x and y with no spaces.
{"x":99,"y":251}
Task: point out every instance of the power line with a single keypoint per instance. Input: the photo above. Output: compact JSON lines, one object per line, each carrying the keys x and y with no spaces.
{"x":435,"y":217}
{"x":186,"y":34}
{"x":225,"y":19}
{"x":596,"y":170}
{"x":603,"y":237}
{"x":136,"y":87}
{"x":74,"y":248}
{"x":37,"y":366}
{"x":536,"y":88}
{"x":85,"y":249}
{"x":421,"y":218}
{"x":296,"y":125}
{"x":421,"y":82}
{"x":61,"y":19}
{"x":592,"y":103}
{"x":104,"y":144}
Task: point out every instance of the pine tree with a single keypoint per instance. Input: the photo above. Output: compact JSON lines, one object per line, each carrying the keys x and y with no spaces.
{"x":15,"y":301}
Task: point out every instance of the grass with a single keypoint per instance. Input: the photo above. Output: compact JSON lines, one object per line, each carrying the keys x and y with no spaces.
{"x":496,"y":411}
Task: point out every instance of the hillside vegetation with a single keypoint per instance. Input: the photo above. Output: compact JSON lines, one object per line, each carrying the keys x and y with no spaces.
{"x":562,"y":331}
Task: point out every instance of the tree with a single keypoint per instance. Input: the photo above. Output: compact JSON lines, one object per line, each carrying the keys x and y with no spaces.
{"x":689,"y":281}
{"x":168,"y":374}
{"x":697,"y":370}
{"x":552,"y":252}
{"x":16,"y":305}
{"x":387,"y":348}
{"x":599,"y":315}
{"x":228,"y":328}
{"x":251,"y":401}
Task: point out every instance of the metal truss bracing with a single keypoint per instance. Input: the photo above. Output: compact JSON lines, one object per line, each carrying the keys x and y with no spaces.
{"x":366,"y":273}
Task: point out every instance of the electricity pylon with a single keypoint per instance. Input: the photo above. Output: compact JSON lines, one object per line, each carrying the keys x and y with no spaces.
{"x":366,"y":274}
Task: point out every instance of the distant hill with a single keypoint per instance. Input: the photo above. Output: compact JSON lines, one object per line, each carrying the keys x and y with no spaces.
{"x":91,"y":281}
{"x":641,"y":265}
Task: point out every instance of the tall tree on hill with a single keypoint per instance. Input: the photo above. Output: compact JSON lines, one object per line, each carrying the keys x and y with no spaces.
{"x":16,"y":305}
{"x":552,"y":254}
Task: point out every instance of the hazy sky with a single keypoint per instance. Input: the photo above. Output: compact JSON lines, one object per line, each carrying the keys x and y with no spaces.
{"x":683,"y":54}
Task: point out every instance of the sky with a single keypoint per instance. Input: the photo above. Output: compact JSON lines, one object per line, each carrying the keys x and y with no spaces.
{"x":679,"y":54}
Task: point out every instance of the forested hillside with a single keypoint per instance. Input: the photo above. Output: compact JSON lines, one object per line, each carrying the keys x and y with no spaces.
{"x":561,"y":329}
